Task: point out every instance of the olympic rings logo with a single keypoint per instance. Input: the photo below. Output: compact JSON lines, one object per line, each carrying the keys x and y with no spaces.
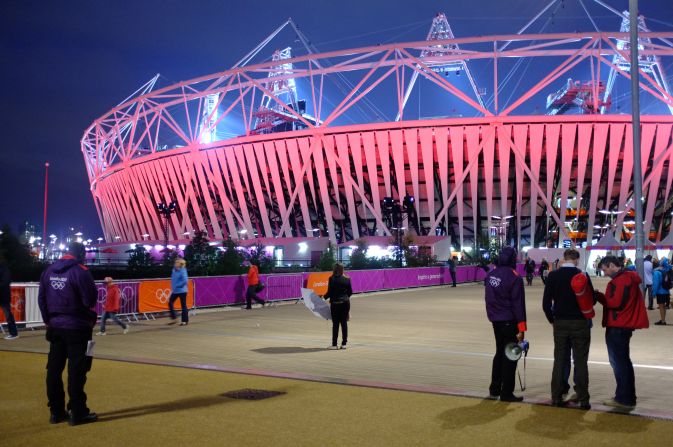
{"x":127,"y":294}
{"x":163,"y":295}
{"x":58,"y":285}
{"x":17,"y":305}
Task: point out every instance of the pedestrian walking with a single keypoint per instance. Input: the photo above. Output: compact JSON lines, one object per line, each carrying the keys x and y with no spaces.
{"x":111,"y":309}
{"x":254,"y":286}
{"x":67,"y":297}
{"x":662,"y":281}
{"x":339,"y":291}
{"x":530,"y":271}
{"x":6,"y":300}
{"x":623,"y":312}
{"x":452,"y":269}
{"x":179,"y":288}
{"x":506,"y":310}
{"x":572,"y":332}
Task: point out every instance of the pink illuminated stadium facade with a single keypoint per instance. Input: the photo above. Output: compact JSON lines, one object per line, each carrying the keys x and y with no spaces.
{"x":243,"y":156}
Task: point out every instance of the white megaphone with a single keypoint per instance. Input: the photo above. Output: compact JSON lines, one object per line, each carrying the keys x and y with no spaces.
{"x":514,"y":351}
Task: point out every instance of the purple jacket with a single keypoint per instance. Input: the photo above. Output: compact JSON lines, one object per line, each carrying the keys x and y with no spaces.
{"x":68,"y":295}
{"x":505,"y":295}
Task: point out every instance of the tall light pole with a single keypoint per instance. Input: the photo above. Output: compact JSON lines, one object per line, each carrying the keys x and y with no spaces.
{"x":635,"y":113}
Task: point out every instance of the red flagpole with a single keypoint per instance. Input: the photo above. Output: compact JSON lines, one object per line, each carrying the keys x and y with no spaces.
{"x":46,"y":191}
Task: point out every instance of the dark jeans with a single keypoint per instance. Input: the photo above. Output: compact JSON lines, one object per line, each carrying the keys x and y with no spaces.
{"x":340,"y":313}
{"x":571,"y":336}
{"x":70,"y":345}
{"x":529,"y":278}
{"x":115,"y":318}
{"x":504,"y":370}
{"x":11,"y":323}
{"x":251,"y":294}
{"x":183,"y":304}
{"x":618,"y":341}
{"x":453,"y":277}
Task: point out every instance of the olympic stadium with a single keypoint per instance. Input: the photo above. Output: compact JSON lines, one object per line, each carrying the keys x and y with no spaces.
{"x":527,"y":136}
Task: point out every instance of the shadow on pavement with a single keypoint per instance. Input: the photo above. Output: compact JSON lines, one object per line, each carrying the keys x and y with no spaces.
{"x":485,"y":412}
{"x":287,"y":350}
{"x":165,"y":407}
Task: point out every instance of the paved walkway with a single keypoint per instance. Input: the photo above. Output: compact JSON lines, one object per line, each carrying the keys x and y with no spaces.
{"x":435,"y":340}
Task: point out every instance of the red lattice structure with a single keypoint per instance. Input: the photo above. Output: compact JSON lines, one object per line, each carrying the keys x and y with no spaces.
{"x":332,"y":174}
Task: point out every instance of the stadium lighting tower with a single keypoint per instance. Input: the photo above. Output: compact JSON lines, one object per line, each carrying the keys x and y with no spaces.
{"x":649,"y":64}
{"x":440,"y":30}
{"x":165,"y":210}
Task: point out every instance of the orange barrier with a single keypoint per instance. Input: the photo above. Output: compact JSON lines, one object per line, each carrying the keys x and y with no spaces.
{"x":153,"y":296}
{"x":18,"y":303}
{"x":318,"y":282}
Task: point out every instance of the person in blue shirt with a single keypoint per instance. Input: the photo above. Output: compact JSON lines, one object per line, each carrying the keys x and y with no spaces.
{"x":179,"y":281}
{"x":660,"y":290}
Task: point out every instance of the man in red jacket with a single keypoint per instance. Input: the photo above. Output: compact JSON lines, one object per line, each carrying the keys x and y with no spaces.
{"x":623,"y":312}
{"x":111,"y":309}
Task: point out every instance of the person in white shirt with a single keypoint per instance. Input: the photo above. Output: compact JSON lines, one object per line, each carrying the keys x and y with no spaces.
{"x":648,"y":269}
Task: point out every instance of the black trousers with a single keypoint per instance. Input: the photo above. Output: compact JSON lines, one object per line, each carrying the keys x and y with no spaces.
{"x":575,"y":335}
{"x":340,"y":313}
{"x":183,"y":304}
{"x":453,"y":277}
{"x":11,"y":323}
{"x":68,"y":345}
{"x":251,"y":294}
{"x":504,"y":370}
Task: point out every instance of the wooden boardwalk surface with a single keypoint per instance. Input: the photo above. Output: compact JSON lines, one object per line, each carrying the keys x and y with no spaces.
{"x":435,"y":338}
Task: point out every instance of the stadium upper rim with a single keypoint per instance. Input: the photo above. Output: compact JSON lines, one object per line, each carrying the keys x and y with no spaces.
{"x":173,"y":117}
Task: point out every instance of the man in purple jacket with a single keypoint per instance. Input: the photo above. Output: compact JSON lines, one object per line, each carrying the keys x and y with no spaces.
{"x":67,"y":297}
{"x":506,"y":310}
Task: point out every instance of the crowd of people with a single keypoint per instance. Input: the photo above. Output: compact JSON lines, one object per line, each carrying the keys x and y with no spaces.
{"x":564,"y":304}
{"x":68,"y":295}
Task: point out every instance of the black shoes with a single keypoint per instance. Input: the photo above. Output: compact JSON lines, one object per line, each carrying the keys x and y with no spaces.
{"x":650,"y":308}
{"x":660,"y":323}
{"x":585,"y":406}
{"x":57,"y":418}
{"x":558,"y":403}
{"x":511,"y":398}
{"x":89,"y":418}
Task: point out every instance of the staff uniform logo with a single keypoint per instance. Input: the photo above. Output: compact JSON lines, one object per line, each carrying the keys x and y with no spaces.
{"x":494,"y":281}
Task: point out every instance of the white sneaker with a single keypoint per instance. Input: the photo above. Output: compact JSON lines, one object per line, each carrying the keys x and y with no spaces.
{"x":11,"y":337}
{"x":101,"y":333}
{"x":343,"y":346}
{"x":333,"y":348}
{"x":126,"y":329}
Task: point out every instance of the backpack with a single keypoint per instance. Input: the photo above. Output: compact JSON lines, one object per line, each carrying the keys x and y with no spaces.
{"x":667,"y":280}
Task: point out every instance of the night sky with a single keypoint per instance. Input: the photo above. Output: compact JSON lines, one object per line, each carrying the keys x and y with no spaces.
{"x":65,"y":63}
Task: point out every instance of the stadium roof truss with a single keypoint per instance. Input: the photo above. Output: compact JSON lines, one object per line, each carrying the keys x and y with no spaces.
{"x":172,"y":119}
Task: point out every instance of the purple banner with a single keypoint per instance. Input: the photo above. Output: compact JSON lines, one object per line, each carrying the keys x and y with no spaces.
{"x":230,"y":290}
{"x":218,"y":291}
{"x":128,"y":302}
{"x":367,"y":280}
